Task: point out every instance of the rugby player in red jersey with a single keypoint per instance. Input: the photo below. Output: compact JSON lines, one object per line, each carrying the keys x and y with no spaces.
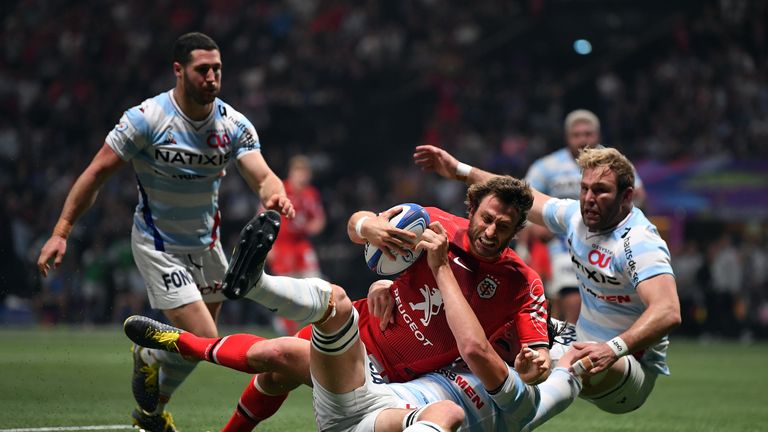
{"x":415,"y":338}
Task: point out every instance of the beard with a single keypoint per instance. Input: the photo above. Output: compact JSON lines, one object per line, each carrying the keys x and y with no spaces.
{"x":607,"y":217}
{"x":475,"y":233}
{"x":201,"y":96}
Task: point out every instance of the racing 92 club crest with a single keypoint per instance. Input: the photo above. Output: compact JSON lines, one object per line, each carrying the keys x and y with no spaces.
{"x":487,"y":287}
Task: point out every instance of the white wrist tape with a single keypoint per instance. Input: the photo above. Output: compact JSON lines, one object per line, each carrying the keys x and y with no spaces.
{"x":462,"y":170}
{"x":359,"y":226}
{"x":618,"y":346}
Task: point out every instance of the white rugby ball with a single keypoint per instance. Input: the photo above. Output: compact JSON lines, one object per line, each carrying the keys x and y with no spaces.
{"x":412,"y":218}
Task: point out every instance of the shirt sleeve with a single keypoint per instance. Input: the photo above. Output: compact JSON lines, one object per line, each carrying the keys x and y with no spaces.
{"x":531,"y":319}
{"x":511,"y":395}
{"x":645,"y":255}
{"x":557,"y":212}
{"x":130,"y":135}
{"x":246,"y":139}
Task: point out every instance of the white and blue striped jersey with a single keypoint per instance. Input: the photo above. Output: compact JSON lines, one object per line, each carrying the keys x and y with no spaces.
{"x":179,"y":165}
{"x":609,"y":265}
{"x":558,"y":175}
{"x":508,"y":409}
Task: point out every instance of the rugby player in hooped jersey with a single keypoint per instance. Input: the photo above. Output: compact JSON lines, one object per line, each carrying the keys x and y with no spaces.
{"x":628,"y":290}
{"x":179,"y":143}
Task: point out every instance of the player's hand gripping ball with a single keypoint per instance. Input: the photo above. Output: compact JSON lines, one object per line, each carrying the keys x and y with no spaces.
{"x":412,"y":218}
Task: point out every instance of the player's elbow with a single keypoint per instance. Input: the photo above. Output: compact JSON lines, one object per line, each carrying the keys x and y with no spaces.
{"x":476,"y":351}
{"x":671,"y":318}
{"x":675,"y":319}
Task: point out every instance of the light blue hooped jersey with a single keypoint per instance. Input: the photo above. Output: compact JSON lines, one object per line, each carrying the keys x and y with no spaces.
{"x":179,"y":165}
{"x":509,"y":408}
{"x":609,"y":265}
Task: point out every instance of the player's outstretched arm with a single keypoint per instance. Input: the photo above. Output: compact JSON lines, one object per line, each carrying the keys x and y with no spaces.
{"x":80,"y":198}
{"x":473,"y":345}
{"x":435,"y":159}
{"x":265,"y":183}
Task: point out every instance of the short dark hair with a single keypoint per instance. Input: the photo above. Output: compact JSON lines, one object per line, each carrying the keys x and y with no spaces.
{"x":189,"y":42}
{"x":508,"y":190}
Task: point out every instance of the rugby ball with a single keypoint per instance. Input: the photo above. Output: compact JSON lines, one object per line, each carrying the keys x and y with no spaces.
{"x":412,"y":218}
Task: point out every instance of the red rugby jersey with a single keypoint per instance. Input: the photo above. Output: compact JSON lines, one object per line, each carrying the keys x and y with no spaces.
{"x":293,"y":252}
{"x":500,"y":291}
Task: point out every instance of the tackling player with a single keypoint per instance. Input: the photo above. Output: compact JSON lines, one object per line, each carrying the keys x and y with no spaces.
{"x":558,"y":175}
{"x":501,"y":288}
{"x":179,"y":143}
{"x":628,"y":290}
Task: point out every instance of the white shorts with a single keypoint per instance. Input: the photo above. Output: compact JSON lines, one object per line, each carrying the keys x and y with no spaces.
{"x":355,"y":411}
{"x":631,"y":392}
{"x":563,"y":275}
{"x":177,"y":279}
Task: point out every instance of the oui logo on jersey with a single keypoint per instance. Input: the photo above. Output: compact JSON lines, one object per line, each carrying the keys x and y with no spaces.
{"x":218,"y":139}
{"x":487,"y":287}
{"x":599,"y":256}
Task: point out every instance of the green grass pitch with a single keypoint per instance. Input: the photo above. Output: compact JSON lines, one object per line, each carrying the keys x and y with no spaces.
{"x":55,"y":378}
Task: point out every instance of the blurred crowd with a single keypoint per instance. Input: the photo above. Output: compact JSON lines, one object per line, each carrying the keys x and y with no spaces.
{"x":355,"y":86}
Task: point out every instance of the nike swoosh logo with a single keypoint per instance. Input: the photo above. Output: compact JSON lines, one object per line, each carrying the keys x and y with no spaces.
{"x":456,"y":260}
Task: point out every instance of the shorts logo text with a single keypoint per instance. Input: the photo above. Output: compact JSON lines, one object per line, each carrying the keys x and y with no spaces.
{"x":177,"y":278}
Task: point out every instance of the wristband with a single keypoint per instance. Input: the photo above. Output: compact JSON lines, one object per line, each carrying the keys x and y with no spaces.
{"x":62,"y":229}
{"x":618,"y":346}
{"x":359,"y":226}
{"x":462,"y":170}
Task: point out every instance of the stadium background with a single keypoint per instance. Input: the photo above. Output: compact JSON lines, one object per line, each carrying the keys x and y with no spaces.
{"x":680,"y":87}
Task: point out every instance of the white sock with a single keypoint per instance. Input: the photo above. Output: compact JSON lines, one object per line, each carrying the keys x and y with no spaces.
{"x":174,"y":369}
{"x":302,"y":300}
{"x":557,"y":393}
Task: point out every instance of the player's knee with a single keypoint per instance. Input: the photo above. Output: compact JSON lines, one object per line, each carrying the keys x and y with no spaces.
{"x":446,"y":414}
{"x":453,"y":415}
{"x":268,"y":355}
{"x":341,"y":302}
{"x":271,"y":383}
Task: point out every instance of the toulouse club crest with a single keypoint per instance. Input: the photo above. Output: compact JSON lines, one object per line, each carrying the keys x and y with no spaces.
{"x":487,"y":287}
